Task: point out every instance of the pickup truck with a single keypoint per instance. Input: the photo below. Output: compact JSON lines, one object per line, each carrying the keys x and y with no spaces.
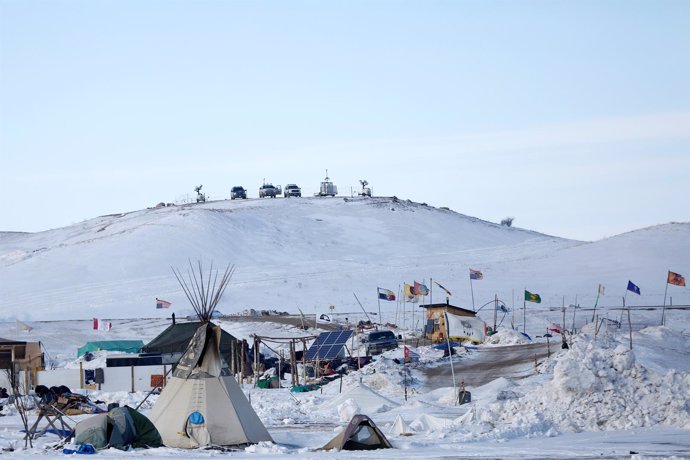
{"x":379,"y":341}
{"x":292,"y":190}
{"x":267,"y":190}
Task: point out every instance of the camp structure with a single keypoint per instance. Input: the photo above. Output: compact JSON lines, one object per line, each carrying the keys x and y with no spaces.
{"x":122,"y":427}
{"x":436,"y":326}
{"x":125,"y":346}
{"x":23,"y":355}
{"x":360,"y":434}
{"x":202,"y":405}
{"x":173,"y":341}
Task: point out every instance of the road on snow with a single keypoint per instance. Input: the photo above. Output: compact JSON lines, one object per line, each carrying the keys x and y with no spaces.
{"x":488,"y":363}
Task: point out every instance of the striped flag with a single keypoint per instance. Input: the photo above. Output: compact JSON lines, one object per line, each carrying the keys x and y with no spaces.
{"x":476,"y":275}
{"x":100,"y":325}
{"x":162,"y":303}
{"x":386,"y":294}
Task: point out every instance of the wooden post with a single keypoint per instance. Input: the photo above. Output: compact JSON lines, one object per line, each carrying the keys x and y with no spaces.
{"x":81,"y":375}
{"x":132,"y":377}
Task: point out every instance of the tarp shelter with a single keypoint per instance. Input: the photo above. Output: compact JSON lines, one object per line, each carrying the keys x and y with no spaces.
{"x":360,"y":434}
{"x":202,"y":404}
{"x":173,"y":341}
{"x":121,"y":428}
{"x":125,"y":346}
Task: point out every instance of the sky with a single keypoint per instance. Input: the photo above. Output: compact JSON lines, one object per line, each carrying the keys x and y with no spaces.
{"x":571,"y":117}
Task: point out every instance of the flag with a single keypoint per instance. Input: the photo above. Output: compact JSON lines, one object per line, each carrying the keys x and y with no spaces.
{"x":408,"y":290}
{"x":553,"y":327}
{"x":476,"y":275}
{"x":410,"y":356}
{"x":675,"y":279}
{"x":420,"y":289}
{"x":601,"y":289}
{"x":529,"y":297}
{"x":162,"y":303}
{"x":386,"y":294}
{"x":633,"y":288}
{"x":439,"y":285}
{"x":100,"y":325}
{"x":23,"y":326}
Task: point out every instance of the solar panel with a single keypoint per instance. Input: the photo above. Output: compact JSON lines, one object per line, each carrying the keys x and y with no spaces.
{"x":328,"y":345}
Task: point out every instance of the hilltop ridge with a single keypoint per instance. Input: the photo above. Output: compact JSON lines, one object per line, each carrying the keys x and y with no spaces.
{"x":308,"y":254}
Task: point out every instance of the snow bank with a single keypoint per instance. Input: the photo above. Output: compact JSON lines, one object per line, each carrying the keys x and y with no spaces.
{"x":596,"y":386}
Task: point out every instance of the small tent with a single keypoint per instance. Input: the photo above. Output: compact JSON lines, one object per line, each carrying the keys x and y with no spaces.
{"x":202,"y":404}
{"x":121,"y":428}
{"x":360,"y":434}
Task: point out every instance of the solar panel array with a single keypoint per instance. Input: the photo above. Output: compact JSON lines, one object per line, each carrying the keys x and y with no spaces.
{"x":328,"y":345}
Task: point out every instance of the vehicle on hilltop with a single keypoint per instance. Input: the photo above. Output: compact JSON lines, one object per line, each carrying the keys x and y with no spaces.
{"x":292,"y":190}
{"x":238,"y":192}
{"x":267,"y":190}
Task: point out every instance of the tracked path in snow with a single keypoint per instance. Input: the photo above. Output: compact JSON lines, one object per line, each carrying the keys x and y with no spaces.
{"x":489,"y":363}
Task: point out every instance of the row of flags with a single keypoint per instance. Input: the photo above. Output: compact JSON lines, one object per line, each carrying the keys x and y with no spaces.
{"x":673,"y":278}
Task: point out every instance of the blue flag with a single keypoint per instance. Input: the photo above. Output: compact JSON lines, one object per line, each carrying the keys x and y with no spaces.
{"x":633,"y":288}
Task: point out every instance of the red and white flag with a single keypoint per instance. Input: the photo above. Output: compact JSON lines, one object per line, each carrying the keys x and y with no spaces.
{"x":160,"y":303}
{"x":101,"y":325}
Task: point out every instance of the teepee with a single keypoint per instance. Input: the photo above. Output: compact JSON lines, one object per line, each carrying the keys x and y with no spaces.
{"x":202,"y":404}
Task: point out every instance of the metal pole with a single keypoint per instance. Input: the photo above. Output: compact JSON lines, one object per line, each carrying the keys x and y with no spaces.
{"x":472,"y":291}
{"x":378,"y":299}
{"x":495,"y":309}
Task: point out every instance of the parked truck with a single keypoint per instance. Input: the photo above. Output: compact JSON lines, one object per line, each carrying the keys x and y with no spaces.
{"x":292,"y":190}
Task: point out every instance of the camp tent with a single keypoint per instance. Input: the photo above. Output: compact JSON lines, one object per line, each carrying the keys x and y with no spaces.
{"x":121,"y":428}
{"x":202,"y":404}
{"x":360,"y":434}
{"x":125,"y":346}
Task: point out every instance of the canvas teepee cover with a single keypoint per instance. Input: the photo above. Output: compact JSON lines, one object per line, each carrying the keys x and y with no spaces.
{"x":202,"y":404}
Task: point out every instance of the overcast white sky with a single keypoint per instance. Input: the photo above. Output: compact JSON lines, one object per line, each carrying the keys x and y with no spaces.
{"x":572,"y":117}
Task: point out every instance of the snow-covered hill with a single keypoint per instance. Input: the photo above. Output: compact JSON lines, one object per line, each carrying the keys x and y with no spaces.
{"x":312,"y":253}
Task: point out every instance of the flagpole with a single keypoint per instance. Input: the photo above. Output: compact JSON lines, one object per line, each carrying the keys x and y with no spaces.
{"x":663,"y":310}
{"x":596,"y":302}
{"x":472,"y":291}
{"x":378,"y":299}
{"x":524,"y":314}
{"x":431,"y":291}
{"x":450,"y":353}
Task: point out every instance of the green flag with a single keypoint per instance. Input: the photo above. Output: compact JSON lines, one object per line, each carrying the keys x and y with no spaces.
{"x":529,"y":297}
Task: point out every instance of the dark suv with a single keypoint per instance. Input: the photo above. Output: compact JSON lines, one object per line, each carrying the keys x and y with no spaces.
{"x":238,"y":192}
{"x":379,"y":341}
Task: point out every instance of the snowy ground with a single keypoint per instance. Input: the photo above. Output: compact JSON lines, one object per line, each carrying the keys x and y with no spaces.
{"x":596,"y":400}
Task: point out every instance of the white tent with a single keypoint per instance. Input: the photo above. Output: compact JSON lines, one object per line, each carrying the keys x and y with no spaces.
{"x":202,"y":404}
{"x":400,"y":427}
